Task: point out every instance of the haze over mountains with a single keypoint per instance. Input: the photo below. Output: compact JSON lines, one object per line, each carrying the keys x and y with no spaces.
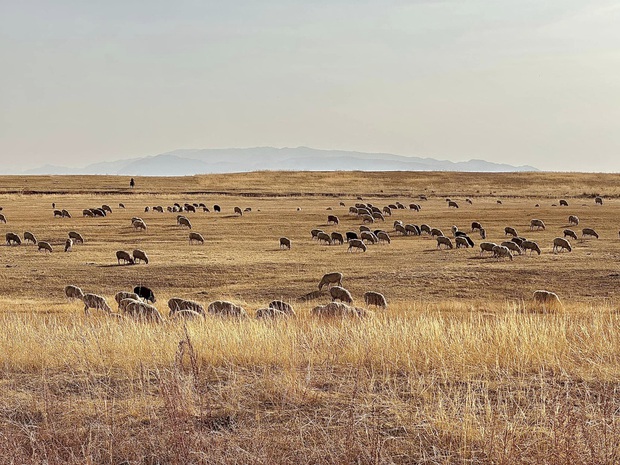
{"x":189,"y":162}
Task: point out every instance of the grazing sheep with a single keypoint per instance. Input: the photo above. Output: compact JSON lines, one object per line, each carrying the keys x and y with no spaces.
{"x":461,"y":234}
{"x":98,"y":212}
{"x":238,"y":211}
{"x":400,"y":206}
{"x":139,"y":224}
{"x":125,"y":295}
{"x":332,"y":219}
{"x":538,"y":224}
{"x":140,"y":256}
{"x":499,"y":251}
{"x":563,"y":203}
{"x":282,"y":306}
{"x":487,"y":247}
{"x":512,"y":246}
{"x":196,"y":237}
{"x":121,"y":255}
{"x":183,"y":221}
{"x":147,"y":209}
{"x":589,"y":232}
{"x":475,"y":226}
{"x":73,"y":292}
{"x":329,"y":279}
{"x":375,"y":298}
{"x":189,"y":209}
{"x":29,"y":237}
{"x":145,"y":293}
{"x":400,"y":228}
{"x":412,"y":229}
{"x":548,"y":300}
{"x":68,"y":245}
{"x":387,"y":211}
{"x":364,"y":228}
{"x":598,"y":200}
{"x":77,"y":237}
{"x":106,"y":208}
{"x":95,"y":301}
{"x":369,"y":236}
{"x":217,"y":208}
{"x":353,"y":210}
{"x":264,"y":313}
{"x":531,"y":246}
{"x":42,"y":245}
{"x":12,"y":238}
{"x":2,"y":218}
{"x":141,"y":311}
{"x":499,"y":202}
{"x":337,"y":238}
{"x":65,"y":214}
{"x":338,"y":309}
{"x":324,"y":237}
{"x":367,"y":219}
{"x":176,"y":305}
{"x":518,"y":240}
{"x":426,"y":228}
{"x":351,"y":235}
{"x":356,"y":244}
{"x":508,"y":231}
{"x":443,"y":240}
{"x":483,"y":233}
{"x":378,"y":216}
{"x":384,"y":237}
{"x":160,"y":209}
{"x":225,"y":308}
{"x":87,"y":213}
{"x":340,"y":293}
{"x":315,"y":233}
{"x":285,"y":242}
{"x":342,"y":204}
{"x":573,"y":220}
{"x":121,"y":205}
{"x":463,"y":241}
{"x":559,"y":244}
{"x":436,"y":232}
{"x":415,"y":207}
{"x":452,"y":203}
{"x":468,"y":200}
{"x":57,"y":213}
{"x":570,"y":233}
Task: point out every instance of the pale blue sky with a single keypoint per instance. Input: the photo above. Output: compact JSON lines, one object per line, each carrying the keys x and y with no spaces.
{"x":520,"y":82}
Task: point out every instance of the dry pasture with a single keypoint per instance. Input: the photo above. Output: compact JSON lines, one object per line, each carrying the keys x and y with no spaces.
{"x":461,"y":368}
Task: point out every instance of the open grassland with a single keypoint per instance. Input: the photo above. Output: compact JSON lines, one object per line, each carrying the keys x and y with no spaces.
{"x":461,"y":368}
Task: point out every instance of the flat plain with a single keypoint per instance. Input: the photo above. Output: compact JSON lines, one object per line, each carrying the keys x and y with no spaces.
{"x":462,"y":367}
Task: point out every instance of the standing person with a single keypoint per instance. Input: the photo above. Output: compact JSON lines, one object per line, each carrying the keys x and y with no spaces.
{"x":132,"y":183}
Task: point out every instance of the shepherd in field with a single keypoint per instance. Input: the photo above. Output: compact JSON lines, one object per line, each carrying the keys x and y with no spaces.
{"x":132,"y":183}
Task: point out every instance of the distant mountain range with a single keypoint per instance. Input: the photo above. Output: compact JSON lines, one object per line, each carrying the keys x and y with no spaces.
{"x":190,"y":162}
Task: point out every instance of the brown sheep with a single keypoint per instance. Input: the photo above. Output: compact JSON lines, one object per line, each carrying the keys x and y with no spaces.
{"x":225,"y":308}
{"x":2,"y":218}
{"x":238,"y":211}
{"x":384,"y":237}
{"x":119,"y":296}
{"x":436,"y":232}
{"x":121,"y":255}
{"x":443,"y":240}
{"x":183,"y":221}
{"x":572,"y":219}
{"x":65,"y":214}
{"x":73,"y":292}
{"x":548,"y":300}
{"x":68,"y":245}
{"x":589,"y":232}
{"x":452,"y":203}
{"x":77,"y":237}
{"x":559,"y":244}
{"x":332,"y":219}
{"x":285,"y":242}
{"x":140,"y":256}
{"x":509,"y":231}
{"x":45,"y":246}
{"x":29,"y":237}
{"x":512,"y":246}
{"x":337,"y":238}
{"x":531,"y":246}
{"x":487,"y":247}
{"x":356,"y":244}
{"x":331,"y":278}
{"x":196,"y":237}
{"x":570,"y":233}
{"x":324,"y":237}
{"x":375,"y":298}
{"x":141,"y":310}
{"x":499,"y":251}
{"x":598,"y":201}
{"x":282,"y":306}
{"x":340,"y":293}
{"x":12,"y":238}
{"x":538,"y":224}
{"x":95,"y":301}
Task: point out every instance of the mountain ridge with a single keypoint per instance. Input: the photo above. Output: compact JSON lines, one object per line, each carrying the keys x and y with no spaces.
{"x":184,"y":162}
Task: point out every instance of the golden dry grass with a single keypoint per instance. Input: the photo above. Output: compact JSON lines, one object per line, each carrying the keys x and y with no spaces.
{"x":462,"y":368}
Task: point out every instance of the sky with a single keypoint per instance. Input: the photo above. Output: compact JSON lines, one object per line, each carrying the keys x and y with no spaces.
{"x":521,"y":82}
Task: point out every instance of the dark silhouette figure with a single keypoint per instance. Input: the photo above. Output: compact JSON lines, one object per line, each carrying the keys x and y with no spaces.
{"x":53,"y":205}
{"x":132,"y":183}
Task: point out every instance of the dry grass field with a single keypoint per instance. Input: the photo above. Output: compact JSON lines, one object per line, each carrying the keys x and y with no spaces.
{"x":461,"y":368}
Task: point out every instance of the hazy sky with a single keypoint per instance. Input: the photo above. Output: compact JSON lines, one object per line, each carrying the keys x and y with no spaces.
{"x":522,"y":82}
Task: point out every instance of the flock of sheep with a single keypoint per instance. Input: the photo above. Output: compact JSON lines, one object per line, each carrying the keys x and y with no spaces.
{"x":139,"y":304}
